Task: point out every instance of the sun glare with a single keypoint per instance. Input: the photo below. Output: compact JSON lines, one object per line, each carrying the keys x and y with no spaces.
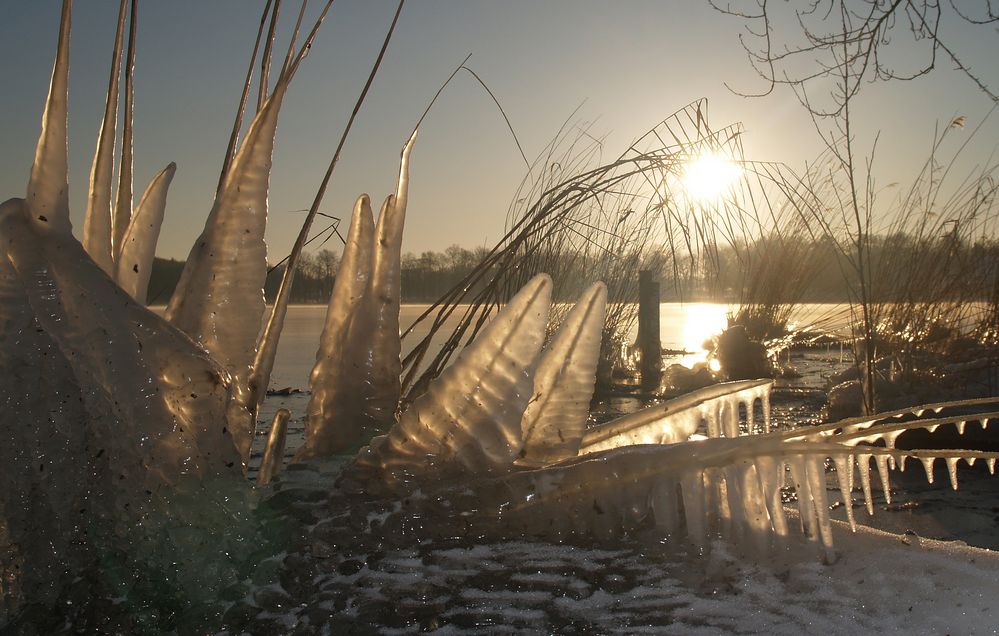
{"x":708,"y":175}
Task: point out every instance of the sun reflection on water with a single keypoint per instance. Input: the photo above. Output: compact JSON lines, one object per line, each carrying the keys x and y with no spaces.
{"x":688,"y":326}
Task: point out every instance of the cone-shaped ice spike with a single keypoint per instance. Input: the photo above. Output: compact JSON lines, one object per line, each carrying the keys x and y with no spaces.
{"x":135,"y":263}
{"x":155,"y":401}
{"x":556,"y":416}
{"x":380,"y":326}
{"x":864,"y":464}
{"x":48,"y":186}
{"x":333,"y":407}
{"x":469,"y":418}
{"x":882,"y":463}
{"x":219,"y":299}
{"x":952,"y":471}
{"x":371,"y":384}
{"x":928,"y":467}
{"x":122,"y":215}
{"x":844,"y":476}
{"x":97,"y":225}
{"x":273,"y":457}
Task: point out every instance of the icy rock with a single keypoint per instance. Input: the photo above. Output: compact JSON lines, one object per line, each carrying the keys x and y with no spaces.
{"x":845,"y":400}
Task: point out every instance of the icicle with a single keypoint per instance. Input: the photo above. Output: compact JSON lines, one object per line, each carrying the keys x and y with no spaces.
{"x":771,"y":476}
{"x":47,"y":202}
{"x":952,"y":471}
{"x":844,"y":475}
{"x":970,"y":460}
{"x":97,"y":225}
{"x":273,"y":459}
{"x":991,"y":463}
{"x":864,"y":464}
{"x":753,"y":503}
{"x":135,"y":263}
{"x":695,"y":513}
{"x":881,"y":462}
{"x":927,"y":466}
{"x":960,"y":426}
{"x":765,"y":401}
{"x":556,"y":416}
{"x":891,"y":437}
{"x":729,"y":414}
{"x":817,"y":486}
{"x":806,"y":509}
{"x":932,"y":428}
{"x":984,"y":422}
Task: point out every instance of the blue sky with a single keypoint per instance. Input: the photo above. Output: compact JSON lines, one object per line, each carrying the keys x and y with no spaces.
{"x":629,"y":63}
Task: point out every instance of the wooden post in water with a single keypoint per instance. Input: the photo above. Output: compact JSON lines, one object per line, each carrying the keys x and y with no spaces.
{"x":648,"y":330}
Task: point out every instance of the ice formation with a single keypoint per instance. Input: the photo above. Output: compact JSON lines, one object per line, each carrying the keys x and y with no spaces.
{"x":117,"y":421}
{"x":355,"y":381}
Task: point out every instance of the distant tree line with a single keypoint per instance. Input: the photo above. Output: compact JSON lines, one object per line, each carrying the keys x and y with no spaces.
{"x":764,"y":270}
{"x":425,"y":277}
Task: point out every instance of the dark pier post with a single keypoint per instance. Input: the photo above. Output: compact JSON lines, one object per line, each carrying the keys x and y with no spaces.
{"x":648,"y":330}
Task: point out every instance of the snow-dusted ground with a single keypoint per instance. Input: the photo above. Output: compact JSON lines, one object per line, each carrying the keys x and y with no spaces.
{"x":900,"y":581}
{"x":879,"y":582}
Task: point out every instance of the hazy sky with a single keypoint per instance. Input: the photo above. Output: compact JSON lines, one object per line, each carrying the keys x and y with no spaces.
{"x":630,"y":63}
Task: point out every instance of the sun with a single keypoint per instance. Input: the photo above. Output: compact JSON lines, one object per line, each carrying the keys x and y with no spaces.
{"x":708,"y":175}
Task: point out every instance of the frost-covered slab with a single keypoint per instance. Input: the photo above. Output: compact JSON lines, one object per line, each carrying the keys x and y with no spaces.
{"x":715,"y":407}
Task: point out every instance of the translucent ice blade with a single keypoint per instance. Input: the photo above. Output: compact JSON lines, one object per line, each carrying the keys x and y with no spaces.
{"x":333,"y":407}
{"x":122,"y":214}
{"x":380,"y":329}
{"x":155,"y":401}
{"x":273,"y":457}
{"x":469,"y":418}
{"x":97,"y":224}
{"x":555,"y":418}
{"x":135,"y":263}
{"x":219,"y":299}
{"x":48,"y":186}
